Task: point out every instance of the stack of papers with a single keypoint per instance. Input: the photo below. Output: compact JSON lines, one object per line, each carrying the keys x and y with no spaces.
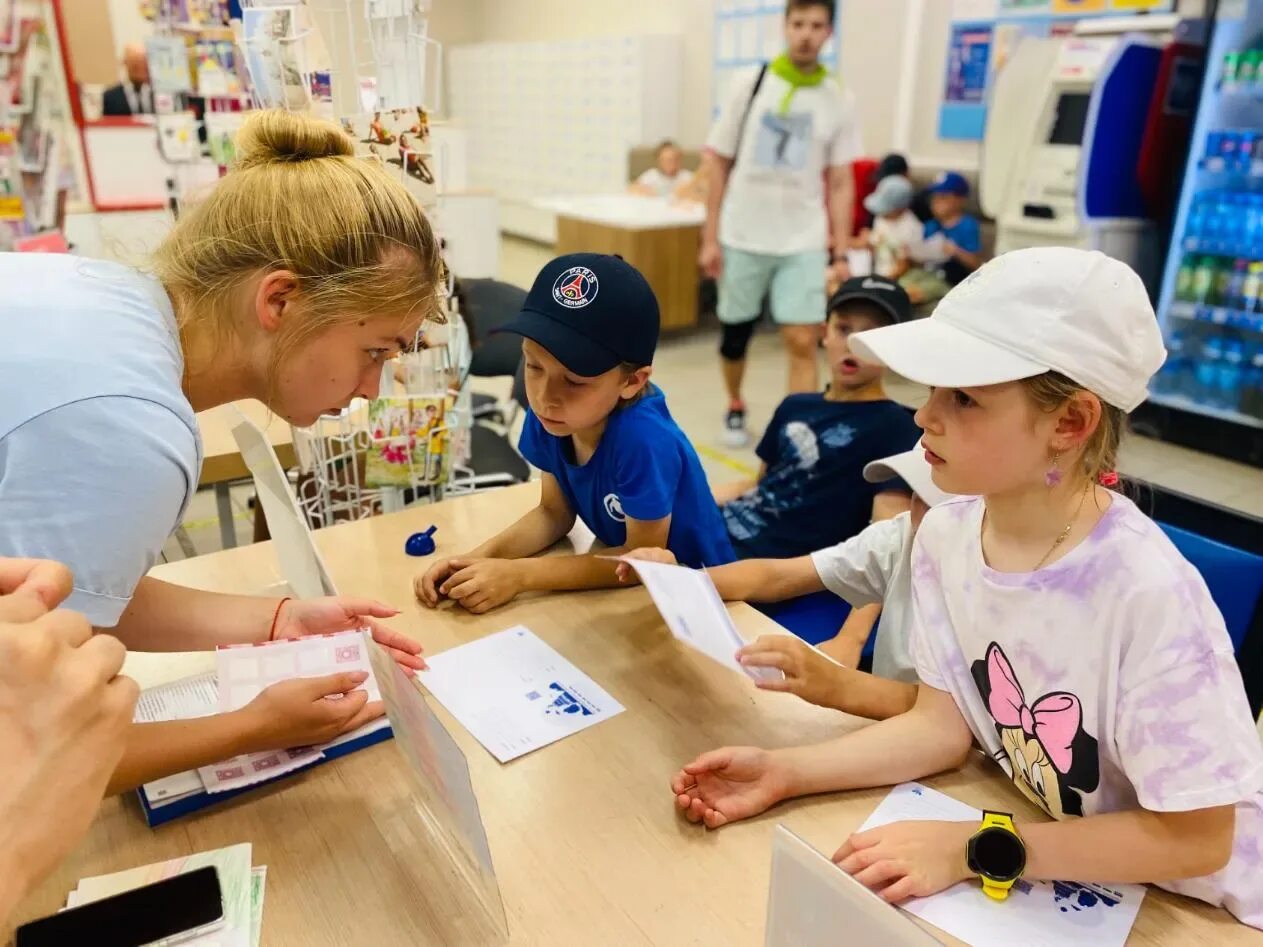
{"x":1044,"y":913}
{"x":691,"y":607}
{"x":241,"y":884}
{"x":515,"y":694}
{"x":242,"y":672}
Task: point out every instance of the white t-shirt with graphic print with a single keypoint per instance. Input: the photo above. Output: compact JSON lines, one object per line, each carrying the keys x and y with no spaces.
{"x":1103,"y":682}
{"x":775,"y":200}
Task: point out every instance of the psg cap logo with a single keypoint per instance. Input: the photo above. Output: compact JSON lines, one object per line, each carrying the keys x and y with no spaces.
{"x":575,"y":288}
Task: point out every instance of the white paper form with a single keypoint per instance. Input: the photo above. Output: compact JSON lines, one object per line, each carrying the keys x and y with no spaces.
{"x":514,"y":693}
{"x":244,"y":671}
{"x":694,"y":612}
{"x":1036,"y":913}
{"x":179,"y":700}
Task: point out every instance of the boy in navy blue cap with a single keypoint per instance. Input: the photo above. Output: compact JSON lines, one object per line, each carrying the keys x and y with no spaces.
{"x":960,"y":251}
{"x":600,"y":433}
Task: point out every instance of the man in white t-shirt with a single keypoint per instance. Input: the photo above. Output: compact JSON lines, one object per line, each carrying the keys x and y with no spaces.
{"x":784,"y":129}
{"x":667,"y":175}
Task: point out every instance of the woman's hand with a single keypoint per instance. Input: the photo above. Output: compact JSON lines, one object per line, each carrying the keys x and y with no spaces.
{"x":728,"y":784}
{"x":309,"y":710}
{"x":627,"y":574}
{"x":808,"y":673}
{"x":329,"y":615}
{"x":908,"y":859}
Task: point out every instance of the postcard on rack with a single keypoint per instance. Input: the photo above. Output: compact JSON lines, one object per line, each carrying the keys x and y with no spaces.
{"x":516,"y":694}
{"x":409,"y":440}
{"x":274,"y":56}
{"x":1050,"y":913}
{"x":695,"y":614}
{"x":399,"y":139}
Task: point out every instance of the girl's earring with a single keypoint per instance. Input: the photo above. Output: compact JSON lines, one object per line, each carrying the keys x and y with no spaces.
{"x":1052,"y":476}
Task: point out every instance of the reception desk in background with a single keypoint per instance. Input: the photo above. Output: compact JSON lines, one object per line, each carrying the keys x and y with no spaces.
{"x":126,"y":171}
{"x":658,"y":237}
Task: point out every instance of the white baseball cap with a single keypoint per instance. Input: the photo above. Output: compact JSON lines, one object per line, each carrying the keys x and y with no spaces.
{"x":912,"y":467}
{"x":1077,"y":312}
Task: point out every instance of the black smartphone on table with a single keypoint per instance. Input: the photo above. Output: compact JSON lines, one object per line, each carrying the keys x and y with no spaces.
{"x":165,"y":912}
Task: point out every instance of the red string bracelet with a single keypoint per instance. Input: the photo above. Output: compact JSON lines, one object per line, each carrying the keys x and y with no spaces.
{"x":277,"y":614}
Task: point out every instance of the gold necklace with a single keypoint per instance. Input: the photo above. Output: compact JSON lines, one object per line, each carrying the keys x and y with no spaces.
{"x":1065,"y":532}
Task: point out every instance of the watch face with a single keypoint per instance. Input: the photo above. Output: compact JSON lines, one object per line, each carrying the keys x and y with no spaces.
{"x":998,"y":854}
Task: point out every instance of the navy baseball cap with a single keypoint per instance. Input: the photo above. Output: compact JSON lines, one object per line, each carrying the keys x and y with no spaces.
{"x":881,"y":292}
{"x":592,"y":312}
{"x":949,"y":182}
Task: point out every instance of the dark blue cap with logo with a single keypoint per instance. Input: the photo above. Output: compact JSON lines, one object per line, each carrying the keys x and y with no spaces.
{"x":883,"y":293}
{"x":592,"y":312}
{"x":949,"y":182}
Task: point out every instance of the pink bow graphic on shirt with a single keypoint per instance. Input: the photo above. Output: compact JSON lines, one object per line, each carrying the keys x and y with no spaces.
{"x":1053,"y":720}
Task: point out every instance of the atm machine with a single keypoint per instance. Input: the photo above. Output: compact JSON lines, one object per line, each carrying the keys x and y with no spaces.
{"x":1064,"y":128}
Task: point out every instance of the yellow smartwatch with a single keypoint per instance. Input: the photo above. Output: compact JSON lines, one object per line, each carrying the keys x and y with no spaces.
{"x":996,"y":854}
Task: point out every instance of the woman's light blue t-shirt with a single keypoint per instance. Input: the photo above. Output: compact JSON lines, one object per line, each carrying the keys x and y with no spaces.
{"x":99,"y":447}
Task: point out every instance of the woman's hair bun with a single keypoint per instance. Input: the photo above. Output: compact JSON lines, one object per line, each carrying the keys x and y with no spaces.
{"x":275,"y":136}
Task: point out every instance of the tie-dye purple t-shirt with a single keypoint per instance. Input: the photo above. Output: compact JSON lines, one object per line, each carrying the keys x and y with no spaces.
{"x":1103,"y":682}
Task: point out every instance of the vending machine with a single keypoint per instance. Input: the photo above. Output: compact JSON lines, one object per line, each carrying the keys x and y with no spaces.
{"x":1209,"y":393}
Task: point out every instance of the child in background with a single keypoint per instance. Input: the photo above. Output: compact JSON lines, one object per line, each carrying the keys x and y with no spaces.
{"x":895,"y":229}
{"x":608,"y":450}
{"x":1053,"y":622}
{"x":667,"y":178}
{"x":953,"y":239}
{"x":811,"y":492}
{"x":874,"y":567}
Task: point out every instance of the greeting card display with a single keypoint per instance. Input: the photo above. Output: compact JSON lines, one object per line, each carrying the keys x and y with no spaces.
{"x":409,"y":441}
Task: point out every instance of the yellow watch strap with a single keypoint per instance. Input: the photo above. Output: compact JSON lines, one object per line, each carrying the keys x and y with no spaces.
{"x":1001,"y":820}
{"x":998,"y":890}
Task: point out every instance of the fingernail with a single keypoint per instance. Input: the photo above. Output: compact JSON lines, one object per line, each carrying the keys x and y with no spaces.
{"x":359,"y":677}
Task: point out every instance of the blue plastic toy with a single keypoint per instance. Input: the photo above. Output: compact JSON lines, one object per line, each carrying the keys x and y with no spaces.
{"x":420,"y":544}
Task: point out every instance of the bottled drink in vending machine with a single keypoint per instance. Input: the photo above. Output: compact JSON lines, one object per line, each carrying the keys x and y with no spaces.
{"x":1195,"y":226}
{"x":1204,"y":281}
{"x":1223,"y":283}
{"x":1252,"y":387}
{"x":1172,"y":379}
{"x":1232,"y":66}
{"x":1184,"y":278}
{"x":1247,"y":139}
{"x":1253,"y":288}
{"x":1234,"y":294}
{"x":1206,"y":375}
{"x":1230,"y":371}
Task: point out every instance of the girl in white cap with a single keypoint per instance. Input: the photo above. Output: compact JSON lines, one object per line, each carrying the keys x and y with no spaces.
{"x":1053,"y":622}
{"x":871,"y":568}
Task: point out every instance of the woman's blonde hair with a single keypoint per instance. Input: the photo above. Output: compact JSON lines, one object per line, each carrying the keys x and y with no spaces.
{"x":1050,"y":391}
{"x":298,"y":199}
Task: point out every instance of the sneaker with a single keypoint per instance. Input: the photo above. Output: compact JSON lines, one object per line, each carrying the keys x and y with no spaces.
{"x":735,"y":433}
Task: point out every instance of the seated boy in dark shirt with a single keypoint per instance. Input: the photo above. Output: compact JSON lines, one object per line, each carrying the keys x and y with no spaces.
{"x":811,"y":492}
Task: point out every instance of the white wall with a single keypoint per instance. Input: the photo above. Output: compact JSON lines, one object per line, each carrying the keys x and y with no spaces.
{"x":129,"y":26}
{"x":485,"y":21}
{"x":893,"y":55}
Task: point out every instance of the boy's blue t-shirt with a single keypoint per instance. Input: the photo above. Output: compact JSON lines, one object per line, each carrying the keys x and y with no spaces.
{"x":966,"y":233}
{"x":644,"y":468}
{"x":814,"y":494}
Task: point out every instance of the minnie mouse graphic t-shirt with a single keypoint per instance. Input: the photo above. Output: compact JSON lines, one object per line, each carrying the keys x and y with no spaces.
{"x":1103,"y":682}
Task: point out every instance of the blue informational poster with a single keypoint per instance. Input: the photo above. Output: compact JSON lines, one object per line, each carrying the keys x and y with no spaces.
{"x":967,"y":59}
{"x":963,"y":114}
